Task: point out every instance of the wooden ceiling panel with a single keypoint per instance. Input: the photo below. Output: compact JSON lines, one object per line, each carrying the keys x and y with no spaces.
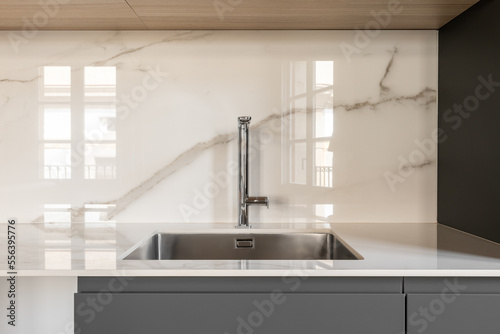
{"x":413,"y":22}
{"x":300,"y":17}
{"x":226,"y":14}
{"x":75,"y":15}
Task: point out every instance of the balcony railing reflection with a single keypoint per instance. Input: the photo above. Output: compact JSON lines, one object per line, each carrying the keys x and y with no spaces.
{"x":57,"y":172}
{"x":324,"y":176}
{"x":100,"y":171}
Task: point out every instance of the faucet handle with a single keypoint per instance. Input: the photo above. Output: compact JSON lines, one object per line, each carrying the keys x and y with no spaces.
{"x":244,"y":120}
{"x":259,"y":200}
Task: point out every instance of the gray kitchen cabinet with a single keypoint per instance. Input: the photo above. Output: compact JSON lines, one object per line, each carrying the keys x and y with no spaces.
{"x":240,"y":305}
{"x":453,"y":305}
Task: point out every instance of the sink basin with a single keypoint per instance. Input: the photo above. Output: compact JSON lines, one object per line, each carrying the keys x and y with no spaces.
{"x":242,"y":246}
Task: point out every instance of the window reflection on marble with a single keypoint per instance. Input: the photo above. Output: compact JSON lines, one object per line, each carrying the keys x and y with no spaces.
{"x":55,"y":115}
{"x":56,"y":122}
{"x":98,"y":215}
{"x":56,"y":164}
{"x":323,"y":77}
{"x":323,"y":115}
{"x":100,"y":122}
{"x":323,"y":211}
{"x":58,"y":259}
{"x":309,"y":123}
{"x":100,"y":237}
{"x":100,"y":161}
{"x":56,"y":83}
{"x":100,"y":259}
{"x":57,"y":215}
{"x":78,"y":132}
{"x":100,"y":83}
{"x":323,"y":164}
{"x":94,"y":241}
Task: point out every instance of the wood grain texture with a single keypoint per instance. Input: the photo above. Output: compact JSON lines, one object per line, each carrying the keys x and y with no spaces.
{"x":226,"y":14}
{"x":75,"y":15}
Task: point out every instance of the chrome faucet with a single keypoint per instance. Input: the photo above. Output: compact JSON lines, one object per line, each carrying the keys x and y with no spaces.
{"x":245,"y":200}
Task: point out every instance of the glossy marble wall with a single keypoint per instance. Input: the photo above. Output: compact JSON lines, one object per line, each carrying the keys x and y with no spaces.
{"x":142,"y":126}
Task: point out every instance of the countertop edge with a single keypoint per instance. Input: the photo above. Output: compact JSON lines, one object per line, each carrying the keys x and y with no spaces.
{"x":258,"y":273}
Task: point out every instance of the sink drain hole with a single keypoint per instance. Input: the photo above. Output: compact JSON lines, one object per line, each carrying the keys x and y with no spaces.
{"x":244,"y":243}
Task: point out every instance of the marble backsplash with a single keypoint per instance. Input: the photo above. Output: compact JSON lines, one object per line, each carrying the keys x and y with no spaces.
{"x":142,"y":126}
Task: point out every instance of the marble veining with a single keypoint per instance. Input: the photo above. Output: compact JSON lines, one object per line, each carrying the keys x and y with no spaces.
{"x":383,"y":88}
{"x":181,"y":36}
{"x":426,"y":97}
{"x":152,"y":138}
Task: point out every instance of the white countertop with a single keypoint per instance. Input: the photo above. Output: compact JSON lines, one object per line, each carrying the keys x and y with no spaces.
{"x":391,"y":249}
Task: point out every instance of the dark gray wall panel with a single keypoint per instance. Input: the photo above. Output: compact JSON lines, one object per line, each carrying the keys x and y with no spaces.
{"x":469,"y":157}
{"x":464,"y":314}
{"x":216,"y":313}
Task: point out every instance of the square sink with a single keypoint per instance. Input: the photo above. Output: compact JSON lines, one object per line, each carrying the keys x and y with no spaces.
{"x":242,"y":246}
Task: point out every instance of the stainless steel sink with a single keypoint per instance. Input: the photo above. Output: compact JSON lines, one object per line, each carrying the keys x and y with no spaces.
{"x":242,"y":246}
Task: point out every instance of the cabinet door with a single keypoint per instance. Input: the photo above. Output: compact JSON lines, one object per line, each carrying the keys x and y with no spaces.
{"x":447,"y":313}
{"x":239,"y":313}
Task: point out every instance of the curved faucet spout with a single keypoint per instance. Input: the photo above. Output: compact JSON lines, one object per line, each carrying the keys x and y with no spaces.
{"x":244,"y":199}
